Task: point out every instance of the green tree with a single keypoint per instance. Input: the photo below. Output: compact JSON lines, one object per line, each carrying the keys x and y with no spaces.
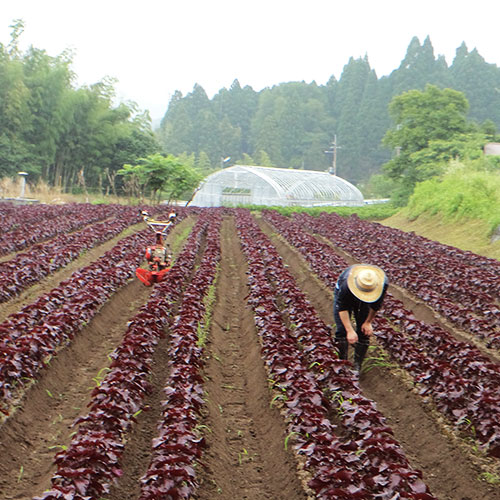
{"x":351,"y":95}
{"x":187,"y":159}
{"x":158,"y":174}
{"x":433,"y":159}
{"x":262,"y":159}
{"x":48,"y":80}
{"x":246,"y":159}
{"x":421,"y":117}
{"x":290,"y":125}
{"x":15,"y":115}
{"x":203,"y":162}
{"x":237,"y":105}
{"x":479,"y":81}
{"x":419,"y":68}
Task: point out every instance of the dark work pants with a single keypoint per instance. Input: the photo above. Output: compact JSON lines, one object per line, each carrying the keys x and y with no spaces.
{"x":360,"y":314}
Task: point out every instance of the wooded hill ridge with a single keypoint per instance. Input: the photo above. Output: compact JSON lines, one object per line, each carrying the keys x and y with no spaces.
{"x":80,"y":140}
{"x":292,"y":124}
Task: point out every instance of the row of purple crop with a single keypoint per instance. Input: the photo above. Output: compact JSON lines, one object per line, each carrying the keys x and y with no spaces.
{"x":29,"y":337}
{"x":461,"y":286}
{"x":14,"y":215}
{"x":24,"y":225}
{"x":178,"y":448}
{"x":366,"y":462}
{"x":461,"y":380}
{"x":43,"y":259}
{"x":92,"y":461}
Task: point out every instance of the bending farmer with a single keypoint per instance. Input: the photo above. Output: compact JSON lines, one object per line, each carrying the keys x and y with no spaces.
{"x":359,"y":292}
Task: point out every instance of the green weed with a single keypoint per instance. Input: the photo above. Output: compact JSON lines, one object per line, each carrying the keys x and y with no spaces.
{"x":490,"y":478}
{"x":379,"y":361}
{"x":241,"y":455}
{"x":278,"y":397}
{"x":59,"y":446}
{"x":101,"y":376}
{"x":59,"y":418}
{"x":203,"y":327}
{"x":338,"y":398}
{"x":200,"y":427}
{"x":288,"y":439}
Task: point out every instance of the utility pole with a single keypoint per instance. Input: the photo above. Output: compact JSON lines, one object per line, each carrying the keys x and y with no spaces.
{"x":333,"y":151}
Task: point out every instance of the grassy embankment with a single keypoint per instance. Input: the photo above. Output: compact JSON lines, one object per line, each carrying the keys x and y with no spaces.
{"x":462,"y":209}
{"x":41,"y":191}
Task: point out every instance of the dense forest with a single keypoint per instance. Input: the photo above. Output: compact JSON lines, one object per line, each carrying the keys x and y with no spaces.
{"x":291,"y":125}
{"x":75,"y":138}
{"x":79,"y":138}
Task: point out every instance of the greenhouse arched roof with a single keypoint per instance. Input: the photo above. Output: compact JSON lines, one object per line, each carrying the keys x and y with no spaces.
{"x":254,"y":185}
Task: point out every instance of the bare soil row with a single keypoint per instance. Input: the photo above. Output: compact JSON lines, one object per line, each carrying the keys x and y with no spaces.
{"x":247,"y":455}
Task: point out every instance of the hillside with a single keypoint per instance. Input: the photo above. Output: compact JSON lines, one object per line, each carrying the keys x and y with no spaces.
{"x":292,"y":124}
{"x":471,"y":235}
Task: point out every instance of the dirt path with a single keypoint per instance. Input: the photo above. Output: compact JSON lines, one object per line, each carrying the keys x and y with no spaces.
{"x":246,"y":456}
{"x":448,"y":469}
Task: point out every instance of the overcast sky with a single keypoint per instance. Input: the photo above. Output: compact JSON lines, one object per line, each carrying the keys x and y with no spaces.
{"x":154,"y":47}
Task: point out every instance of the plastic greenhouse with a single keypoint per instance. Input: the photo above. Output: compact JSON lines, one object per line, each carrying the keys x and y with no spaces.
{"x":250,"y":185}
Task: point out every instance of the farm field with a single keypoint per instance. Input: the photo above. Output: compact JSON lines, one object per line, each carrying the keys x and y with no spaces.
{"x":223,"y":382}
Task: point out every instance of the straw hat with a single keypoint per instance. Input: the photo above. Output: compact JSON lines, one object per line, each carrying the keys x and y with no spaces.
{"x":366,"y":282}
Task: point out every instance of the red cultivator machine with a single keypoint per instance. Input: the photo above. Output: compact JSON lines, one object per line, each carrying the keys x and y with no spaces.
{"x":157,"y":255}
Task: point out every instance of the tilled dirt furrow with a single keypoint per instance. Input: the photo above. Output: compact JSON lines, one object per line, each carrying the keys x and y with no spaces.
{"x":30,"y":294}
{"x":137,"y":454}
{"x":449,"y":470}
{"x":245,"y":456}
{"x":45,"y":418}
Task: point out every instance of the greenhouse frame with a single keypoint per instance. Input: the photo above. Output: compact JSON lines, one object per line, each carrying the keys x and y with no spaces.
{"x":269,"y":186}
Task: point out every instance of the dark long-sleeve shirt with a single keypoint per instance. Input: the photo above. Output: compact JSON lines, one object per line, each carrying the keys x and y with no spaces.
{"x":345,"y":300}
